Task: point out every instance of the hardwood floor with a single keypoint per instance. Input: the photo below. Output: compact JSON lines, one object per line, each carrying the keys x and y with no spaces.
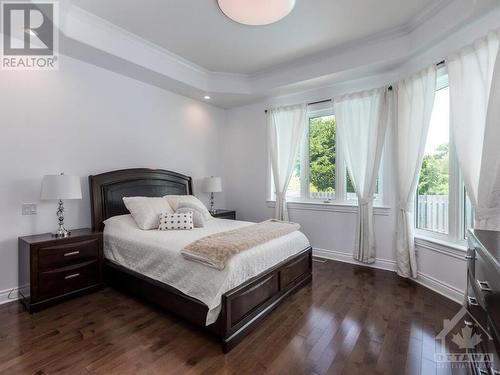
{"x":350,"y":320}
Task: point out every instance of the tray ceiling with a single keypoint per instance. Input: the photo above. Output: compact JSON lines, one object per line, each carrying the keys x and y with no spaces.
{"x":199,"y":32}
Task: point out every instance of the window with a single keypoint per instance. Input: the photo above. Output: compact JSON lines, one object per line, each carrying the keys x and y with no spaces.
{"x":433,"y":186}
{"x":322,"y":171}
{"x":442,"y":208}
{"x":319,"y":173}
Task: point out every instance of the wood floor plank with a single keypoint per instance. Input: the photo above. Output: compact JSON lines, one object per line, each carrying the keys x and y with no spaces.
{"x":349,"y":320}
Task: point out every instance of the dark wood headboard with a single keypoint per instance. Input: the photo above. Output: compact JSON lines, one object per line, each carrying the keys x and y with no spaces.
{"x":108,"y":189}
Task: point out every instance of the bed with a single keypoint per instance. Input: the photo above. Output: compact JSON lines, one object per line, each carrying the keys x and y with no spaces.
{"x":228,"y":304}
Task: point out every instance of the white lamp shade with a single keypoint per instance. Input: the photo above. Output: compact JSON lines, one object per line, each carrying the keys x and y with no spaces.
{"x":256,"y":12}
{"x":61,"y":186}
{"x":212,"y":185}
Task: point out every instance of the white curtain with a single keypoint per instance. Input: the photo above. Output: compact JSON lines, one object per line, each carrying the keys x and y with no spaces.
{"x":361,"y":126}
{"x":475,"y":125}
{"x":285,"y":128}
{"x":414,"y":100}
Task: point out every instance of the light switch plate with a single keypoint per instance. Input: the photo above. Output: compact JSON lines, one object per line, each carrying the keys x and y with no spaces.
{"x":29,"y":209}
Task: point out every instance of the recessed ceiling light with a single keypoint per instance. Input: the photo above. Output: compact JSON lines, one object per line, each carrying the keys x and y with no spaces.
{"x":256,"y":12}
{"x":206,"y":97}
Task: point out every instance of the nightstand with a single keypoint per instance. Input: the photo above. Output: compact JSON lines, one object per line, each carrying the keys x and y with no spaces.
{"x":52,"y":270}
{"x":224,"y":214}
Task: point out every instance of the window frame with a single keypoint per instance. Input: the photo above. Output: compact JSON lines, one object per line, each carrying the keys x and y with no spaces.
{"x":340,"y":196}
{"x":456,"y":191}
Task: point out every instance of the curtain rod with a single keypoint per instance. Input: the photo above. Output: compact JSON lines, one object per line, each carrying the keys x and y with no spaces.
{"x":442,"y":62}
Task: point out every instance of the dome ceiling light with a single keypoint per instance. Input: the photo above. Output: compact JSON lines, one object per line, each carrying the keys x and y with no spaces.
{"x":256,"y":12}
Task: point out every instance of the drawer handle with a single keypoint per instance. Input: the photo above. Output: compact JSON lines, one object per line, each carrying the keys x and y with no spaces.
{"x":468,"y":323}
{"x":71,"y":276}
{"x":484,"y":286}
{"x":472,"y":301}
{"x":72,"y":253}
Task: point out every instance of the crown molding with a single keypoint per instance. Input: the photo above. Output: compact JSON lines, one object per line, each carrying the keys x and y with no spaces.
{"x":111,"y":28}
{"x":108,"y":27}
{"x":376,"y":53}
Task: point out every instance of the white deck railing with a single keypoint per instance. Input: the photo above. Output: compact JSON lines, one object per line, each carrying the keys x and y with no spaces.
{"x":432,"y":213}
{"x":323,"y":195}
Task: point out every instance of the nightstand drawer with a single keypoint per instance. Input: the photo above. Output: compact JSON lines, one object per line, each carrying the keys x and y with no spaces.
{"x":57,"y":256}
{"x":68,"y":279}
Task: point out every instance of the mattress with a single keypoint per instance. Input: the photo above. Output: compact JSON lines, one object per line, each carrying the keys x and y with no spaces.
{"x":157,"y":255}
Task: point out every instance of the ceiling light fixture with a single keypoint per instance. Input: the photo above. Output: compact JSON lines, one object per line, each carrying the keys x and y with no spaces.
{"x":256,"y":12}
{"x":206,"y":97}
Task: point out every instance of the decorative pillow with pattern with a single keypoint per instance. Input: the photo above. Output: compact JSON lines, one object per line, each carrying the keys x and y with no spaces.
{"x":183,"y":221}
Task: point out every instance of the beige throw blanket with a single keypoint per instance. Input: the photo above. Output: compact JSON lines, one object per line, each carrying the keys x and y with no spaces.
{"x":216,"y":250}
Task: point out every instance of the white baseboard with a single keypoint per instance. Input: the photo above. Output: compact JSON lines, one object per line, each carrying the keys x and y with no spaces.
{"x":441,"y":287}
{"x":423,"y":279}
{"x":382,"y":264}
{"x":8,"y":295}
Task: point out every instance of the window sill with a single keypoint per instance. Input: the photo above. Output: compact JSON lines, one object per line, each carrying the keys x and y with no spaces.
{"x":330,"y":207}
{"x":449,"y":248}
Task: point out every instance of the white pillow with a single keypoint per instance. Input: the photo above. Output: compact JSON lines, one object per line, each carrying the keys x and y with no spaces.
{"x":175,"y":200}
{"x":146,"y":211}
{"x":182,"y":221}
{"x":198,"y":214}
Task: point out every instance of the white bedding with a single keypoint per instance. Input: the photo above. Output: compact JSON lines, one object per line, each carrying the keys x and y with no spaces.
{"x":156,"y":254}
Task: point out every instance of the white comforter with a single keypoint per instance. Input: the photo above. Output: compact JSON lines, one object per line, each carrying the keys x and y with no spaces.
{"x":156,"y":254}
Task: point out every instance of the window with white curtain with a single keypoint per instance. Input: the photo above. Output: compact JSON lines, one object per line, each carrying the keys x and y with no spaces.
{"x":442,"y":209}
{"x":320,"y":174}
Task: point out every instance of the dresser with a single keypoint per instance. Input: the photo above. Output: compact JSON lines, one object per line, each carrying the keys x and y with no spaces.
{"x":483,"y":296}
{"x":52,"y":270}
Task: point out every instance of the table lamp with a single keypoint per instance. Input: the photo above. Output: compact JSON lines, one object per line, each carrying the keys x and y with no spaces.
{"x":60,"y":187}
{"x":212,"y":185}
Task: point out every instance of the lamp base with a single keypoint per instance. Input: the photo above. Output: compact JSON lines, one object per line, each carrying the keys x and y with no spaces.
{"x":61,"y":233}
{"x":212,"y":210}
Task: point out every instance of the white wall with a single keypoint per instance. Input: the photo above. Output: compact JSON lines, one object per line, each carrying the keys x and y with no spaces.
{"x":85,"y":120}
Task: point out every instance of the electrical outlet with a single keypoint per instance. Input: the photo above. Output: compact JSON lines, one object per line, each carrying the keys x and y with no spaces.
{"x":29,"y":209}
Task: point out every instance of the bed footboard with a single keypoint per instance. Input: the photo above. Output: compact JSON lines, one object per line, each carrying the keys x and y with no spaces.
{"x":244,"y":306}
